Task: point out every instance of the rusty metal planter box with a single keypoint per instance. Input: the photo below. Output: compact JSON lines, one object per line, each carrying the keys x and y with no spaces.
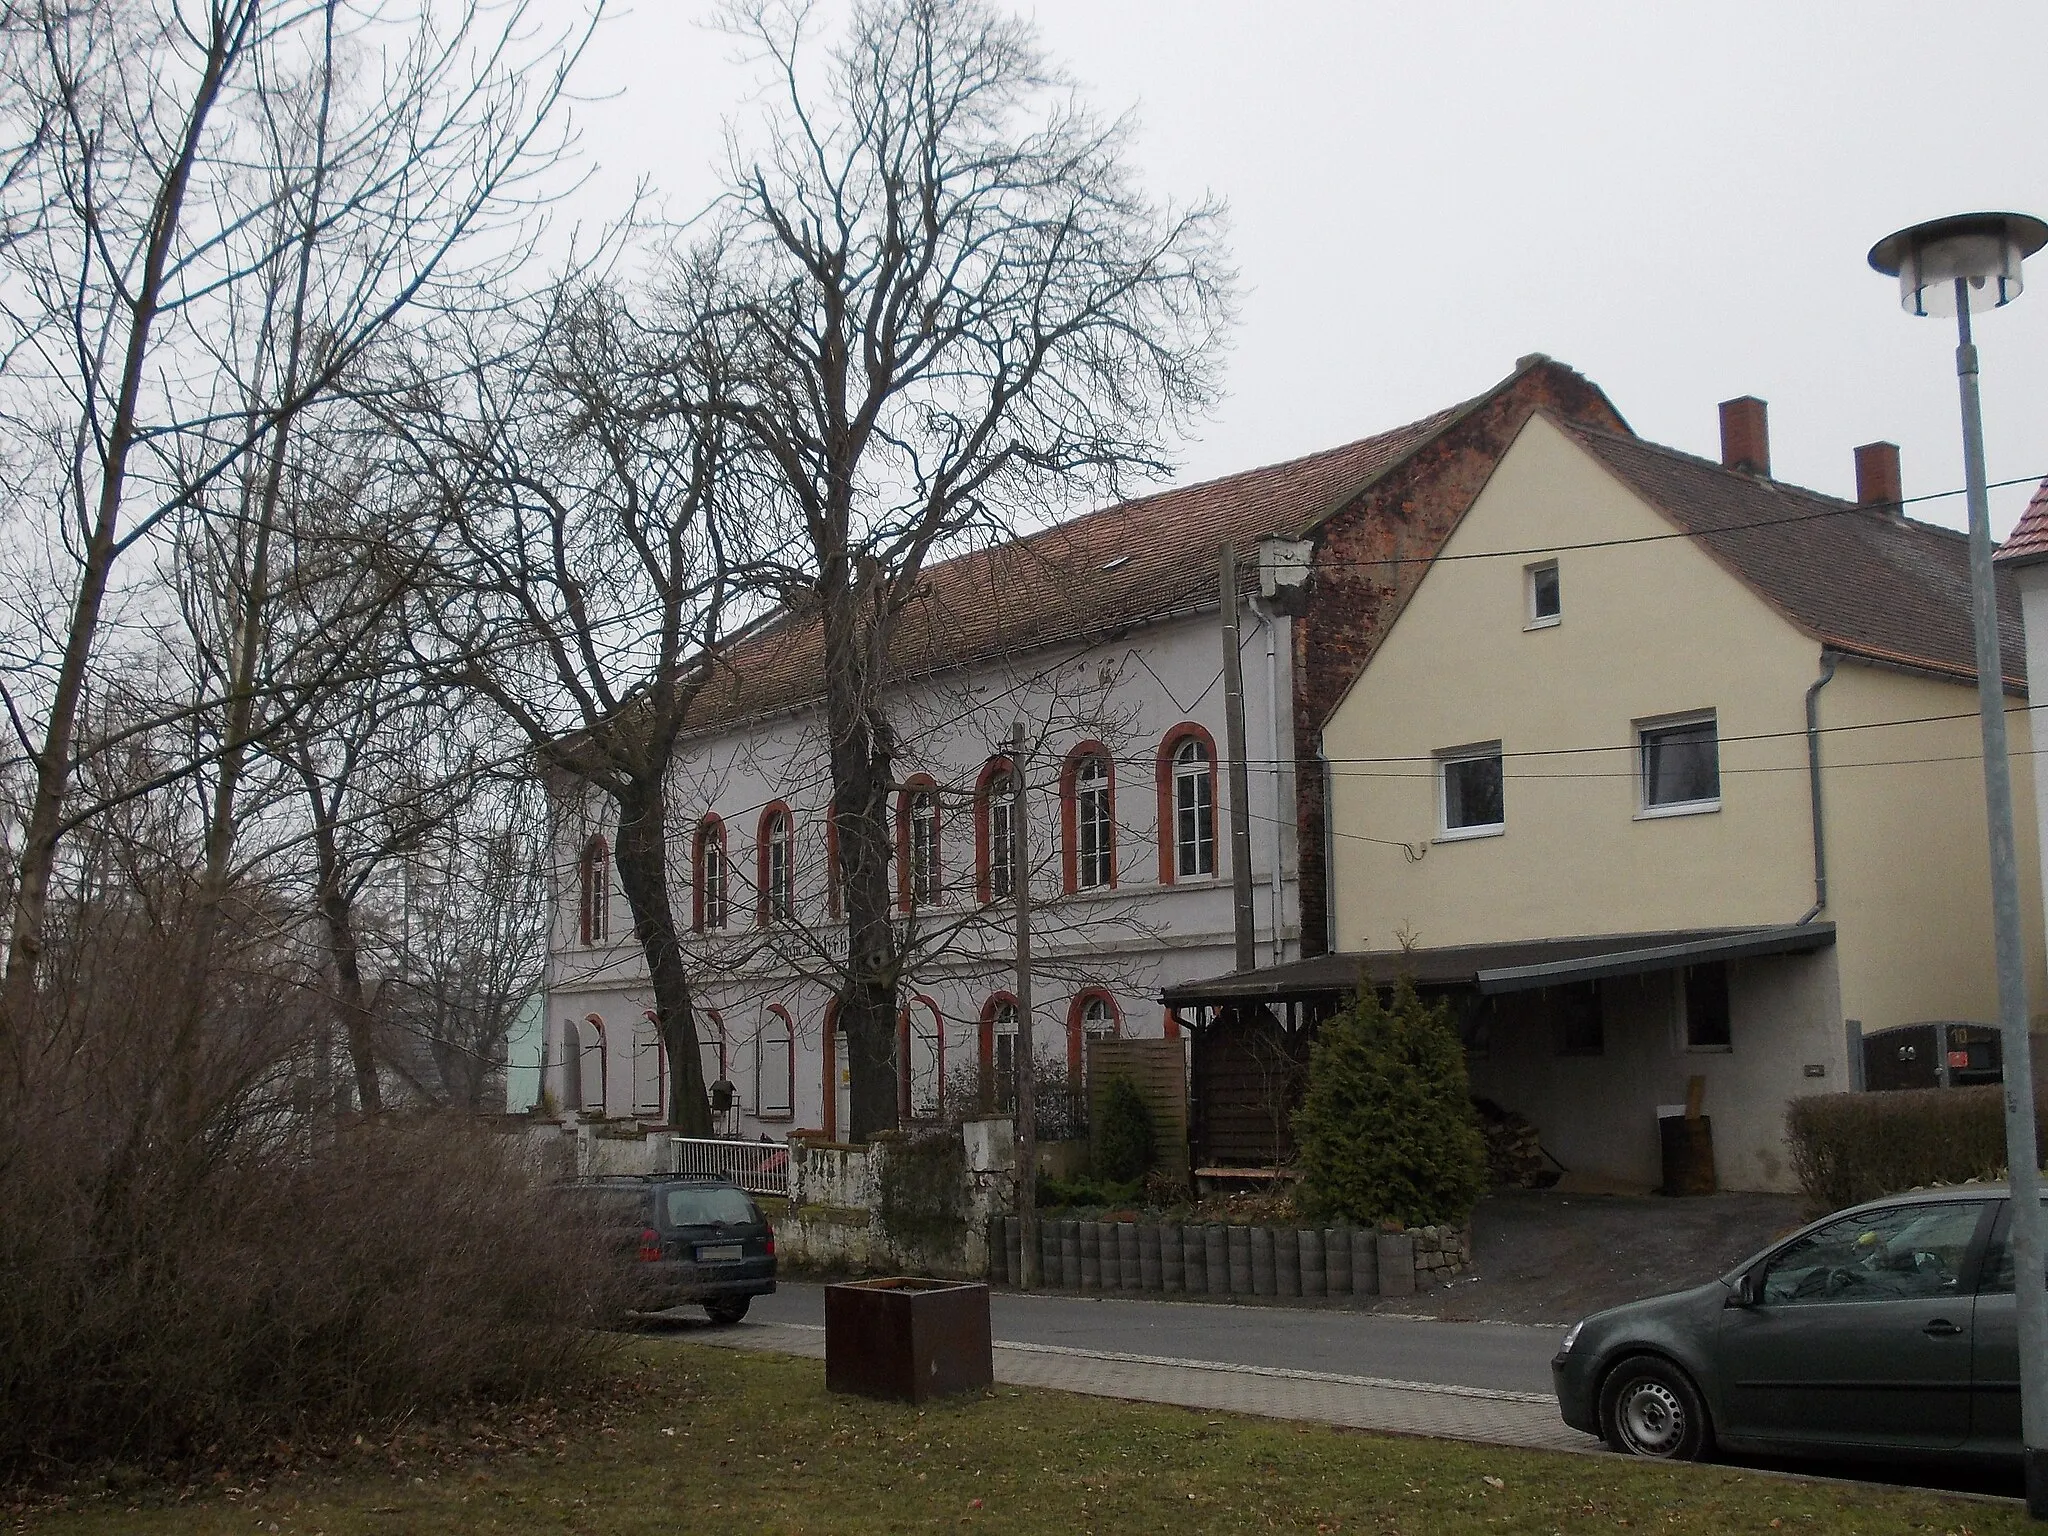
{"x":907,"y":1340}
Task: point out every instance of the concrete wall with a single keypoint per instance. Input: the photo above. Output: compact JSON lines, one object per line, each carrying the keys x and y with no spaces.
{"x":1597,"y":1114}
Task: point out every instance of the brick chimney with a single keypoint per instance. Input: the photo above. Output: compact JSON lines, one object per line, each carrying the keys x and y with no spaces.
{"x":1746,"y":435}
{"x":1877,"y":478}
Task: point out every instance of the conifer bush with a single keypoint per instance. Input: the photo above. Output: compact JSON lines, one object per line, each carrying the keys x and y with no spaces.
{"x":1123,"y":1145}
{"x":1386,"y":1130}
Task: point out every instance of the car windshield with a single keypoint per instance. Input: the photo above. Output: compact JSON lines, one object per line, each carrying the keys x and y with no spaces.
{"x":709,"y":1206}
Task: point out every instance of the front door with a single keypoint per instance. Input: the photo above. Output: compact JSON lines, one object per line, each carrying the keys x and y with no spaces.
{"x":1862,"y":1335}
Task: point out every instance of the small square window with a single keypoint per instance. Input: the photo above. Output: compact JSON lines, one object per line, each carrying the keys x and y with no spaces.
{"x":1680,"y":765}
{"x":1706,"y":1008}
{"x":1546,"y":599}
{"x":1471,"y":791}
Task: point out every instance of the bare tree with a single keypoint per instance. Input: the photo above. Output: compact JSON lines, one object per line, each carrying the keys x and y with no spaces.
{"x":196,"y":167}
{"x":959,"y":312}
{"x":588,"y":575}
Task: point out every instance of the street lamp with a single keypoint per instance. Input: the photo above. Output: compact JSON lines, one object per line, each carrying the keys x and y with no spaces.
{"x":1952,"y":267}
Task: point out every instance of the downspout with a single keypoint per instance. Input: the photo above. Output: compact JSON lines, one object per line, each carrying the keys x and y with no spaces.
{"x":1270,"y":622}
{"x":1329,"y":852}
{"x":1828,"y":661}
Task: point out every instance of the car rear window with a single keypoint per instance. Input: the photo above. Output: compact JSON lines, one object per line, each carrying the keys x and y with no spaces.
{"x":710,"y":1206}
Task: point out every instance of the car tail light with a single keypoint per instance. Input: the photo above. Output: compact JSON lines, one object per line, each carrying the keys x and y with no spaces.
{"x":771,"y":1243}
{"x":650,"y":1245}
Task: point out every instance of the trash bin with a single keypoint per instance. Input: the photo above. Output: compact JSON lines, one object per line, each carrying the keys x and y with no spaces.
{"x":1687,"y":1144}
{"x":907,"y":1339}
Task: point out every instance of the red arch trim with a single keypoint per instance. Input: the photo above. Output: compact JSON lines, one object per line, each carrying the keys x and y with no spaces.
{"x":916,"y":784}
{"x":993,"y":769}
{"x":710,"y":829}
{"x":1075,"y":1008}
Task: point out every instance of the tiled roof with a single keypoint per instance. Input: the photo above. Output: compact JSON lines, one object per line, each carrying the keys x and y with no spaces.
{"x":1860,"y":580}
{"x":1093,"y":576}
{"x":2029,"y":541}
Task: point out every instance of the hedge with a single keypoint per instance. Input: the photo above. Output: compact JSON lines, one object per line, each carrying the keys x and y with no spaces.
{"x":1849,"y":1147}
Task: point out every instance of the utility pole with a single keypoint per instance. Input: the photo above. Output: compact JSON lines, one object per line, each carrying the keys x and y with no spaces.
{"x":1240,"y":778}
{"x":1025,"y":1064}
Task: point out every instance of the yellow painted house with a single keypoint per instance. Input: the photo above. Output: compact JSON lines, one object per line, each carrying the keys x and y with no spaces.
{"x":1672,"y":769}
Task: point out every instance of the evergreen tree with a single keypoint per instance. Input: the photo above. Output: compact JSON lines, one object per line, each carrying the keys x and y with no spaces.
{"x":1386,"y":1130}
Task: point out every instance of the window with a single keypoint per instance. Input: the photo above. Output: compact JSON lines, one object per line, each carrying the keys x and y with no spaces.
{"x":1706,"y":1008}
{"x":1903,"y":1254}
{"x":778,"y":871}
{"x":924,"y":1061}
{"x":1680,"y":765}
{"x":1090,"y":816}
{"x":1546,"y":603}
{"x":1000,"y":805}
{"x":1093,"y":1016}
{"x":1471,"y":792}
{"x":1187,"y":805}
{"x":711,"y":874}
{"x":835,"y":891}
{"x":650,"y":1067}
{"x":594,"y":892}
{"x":917,"y":845}
{"x":1577,"y":1027}
{"x":774,"y":1066}
{"x":1002,"y":1018}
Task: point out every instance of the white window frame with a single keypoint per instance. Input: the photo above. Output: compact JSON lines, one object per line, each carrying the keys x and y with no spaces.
{"x":1001,"y":810}
{"x":924,"y":875}
{"x":1094,"y":824}
{"x":775,"y":1083}
{"x":781,"y":868}
{"x":1535,"y":620}
{"x":712,"y":871}
{"x":1445,"y":761}
{"x":1644,"y":730}
{"x":1194,"y":798}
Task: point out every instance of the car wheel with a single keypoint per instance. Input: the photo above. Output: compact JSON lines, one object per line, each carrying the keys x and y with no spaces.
{"x":728,"y":1311}
{"x":1649,"y":1407}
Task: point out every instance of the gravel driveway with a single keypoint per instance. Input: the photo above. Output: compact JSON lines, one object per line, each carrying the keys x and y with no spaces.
{"x":1543,"y":1257}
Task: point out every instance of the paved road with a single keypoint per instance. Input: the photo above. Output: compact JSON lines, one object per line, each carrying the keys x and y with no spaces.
{"x":1501,"y":1357}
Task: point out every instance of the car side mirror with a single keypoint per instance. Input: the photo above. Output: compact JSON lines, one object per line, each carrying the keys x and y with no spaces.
{"x":1749,"y":1290}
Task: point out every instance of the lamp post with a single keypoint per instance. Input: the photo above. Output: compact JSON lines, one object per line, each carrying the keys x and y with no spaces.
{"x":1956,"y":266}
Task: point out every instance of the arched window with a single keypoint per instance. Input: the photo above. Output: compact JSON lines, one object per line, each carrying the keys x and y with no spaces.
{"x":571,"y":1066}
{"x":775,"y":1066}
{"x":596,"y":1066}
{"x":711,"y":874}
{"x":1187,"y":805}
{"x":999,"y":1051}
{"x":921,"y":1050}
{"x":1092,"y":1015}
{"x":776,"y":877}
{"x":650,"y":1067}
{"x":594,"y":888}
{"x":711,"y":1048}
{"x":1088,"y":819}
{"x":836,"y":1081}
{"x":995,"y":831}
{"x":918,"y":878}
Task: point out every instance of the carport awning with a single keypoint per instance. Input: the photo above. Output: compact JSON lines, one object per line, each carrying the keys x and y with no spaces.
{"x":1521,"y":966}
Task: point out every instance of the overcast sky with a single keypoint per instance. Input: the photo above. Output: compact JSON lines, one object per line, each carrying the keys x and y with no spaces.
{"x":1674,"y":199}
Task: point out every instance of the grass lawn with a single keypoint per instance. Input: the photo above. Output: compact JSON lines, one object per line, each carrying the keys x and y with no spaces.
{"x":712,"y":1440}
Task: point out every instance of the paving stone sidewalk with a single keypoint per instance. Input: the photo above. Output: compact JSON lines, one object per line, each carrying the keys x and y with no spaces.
{"x":1358,"y":1402}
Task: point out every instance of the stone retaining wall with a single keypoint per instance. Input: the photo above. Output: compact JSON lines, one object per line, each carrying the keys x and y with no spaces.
{"x":1337,"y":1263}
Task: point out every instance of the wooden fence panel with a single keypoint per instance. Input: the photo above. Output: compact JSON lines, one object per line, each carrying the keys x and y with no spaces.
{"x":1158,"y":1068}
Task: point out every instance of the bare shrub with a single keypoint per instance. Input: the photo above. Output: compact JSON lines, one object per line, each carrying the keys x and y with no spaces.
{"x":193,"y":1257}
{"x":1851,"y":1147}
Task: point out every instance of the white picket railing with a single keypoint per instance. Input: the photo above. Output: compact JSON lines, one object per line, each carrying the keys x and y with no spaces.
{"x":758,"y":1167}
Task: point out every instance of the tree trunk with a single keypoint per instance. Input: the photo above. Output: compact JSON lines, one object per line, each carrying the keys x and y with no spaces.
{"x":861,"y":764}
{"x":358,"y":1024}
{"x":641,"y":857}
